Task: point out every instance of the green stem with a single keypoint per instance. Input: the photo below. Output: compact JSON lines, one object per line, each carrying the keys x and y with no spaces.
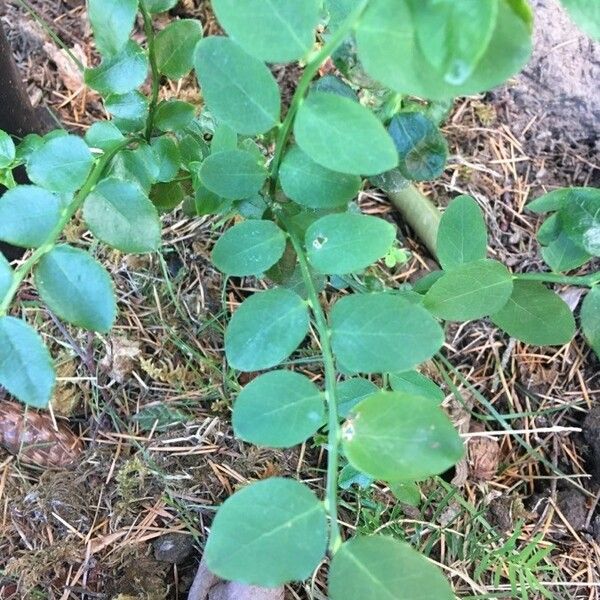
{"x":149,"y":31}
{"x":333,"y":441}
{"x":22,"y":271}
{"x":583,"y":280}
{"x":311,"y":69}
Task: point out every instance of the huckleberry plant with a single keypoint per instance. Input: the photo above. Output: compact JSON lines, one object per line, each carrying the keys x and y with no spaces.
{"x":289,"y":185}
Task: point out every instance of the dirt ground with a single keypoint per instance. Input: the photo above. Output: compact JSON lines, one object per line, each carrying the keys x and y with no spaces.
{"x":151,"y":401}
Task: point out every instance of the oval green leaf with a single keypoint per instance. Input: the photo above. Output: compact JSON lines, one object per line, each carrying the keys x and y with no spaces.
{"x":378,"y":567}
{"x":470,"y":291}
{"x":8,"y":151}
{"x":234,"y":174}
{"x":345,"y":243}
{"x":278,"y":409}
{"x":276,"y":31}
{"x":590,"y":319}
{"x":174,"y":115}
{"x":414,"y":383}
{"x":103,"y":135}
{"x":265,"y":330}
{"x":352,"y":391}
{"x":238,"y":89}
{"x":249,"y":248}
{"x":267,"y":534}
{"x":175,"y":46}
{"x":382,"y":333}
{"x":393,"y":436}
{"x":309,"y":184}
{"x":580,"y":219}
{"x":343,"y":136}
{"x":6,"y":276}
{"x":28,"y":215}
{"x":586,"y":13}
{"x":119,"y":214}
{"x":563,"y":254}
{"x":77,"y":288}
{"x":130,"y":111}
{"x":158,"y":6}
{"x":170,"y":158}
{"x":112,"y":23}
{"x":535,"y":315}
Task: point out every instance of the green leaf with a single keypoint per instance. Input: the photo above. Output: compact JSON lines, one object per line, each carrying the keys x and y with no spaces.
{"x":104,"y":135}
{"x":351,"y":392}
{"x":552,"y":201}
{"x":563,"y":254}
{"x":6,"y":276}
{"x":406,"y":492}
{"x":238,"y":89}
{"x":343,"y":136}
{"x":166,"y":149}
{"x":414,"y":383}
{"x":159,"y":417}
{"x":423,"y":285}
{"x":175,"y":46}
{"x":389,"y":50}
{"x":422,"y":149}
{"x":207,"y":203}
{"x":331,"y":84}
{"x":382,"y":333}
{"x":580,"y":219}
{"x":234,"y":174}
{"x":470,"y":291}
{"x":120,"y":74}
{"x":112,"y":23}
{"x":549,"y":230}
{"x":130,"y":111}
{"x":378,"y":568}
{"x":174,"y":115}
{"x":267,"y":534}
{"x":26,"y":369}
{"x":590,"y":319}
{"x":345,"y":243}
{"x":535,"y":315}
{"x":265,"y":330}
{"x":8,"y":151}
{"x":249,"y":248}
{"x":393,"y":436}
{"x":158,"y":6}
{"x":28,"y":144}
{"x":62,"y":164}
{"x":167,"y":196}
{"x":77,"y":288}
{"x":119,"y":214}
{"x":28,"y":215}
{"x":140,"y":166}
{"x":309,"y":184}
{"x":350,"y":476}
{"x":586,"y":13}
{"x":276,"y":31}
{"x":453,"y":35}
{"x":278,"y":409}
{"x":224,"y":138}
{"x":462,"y":235}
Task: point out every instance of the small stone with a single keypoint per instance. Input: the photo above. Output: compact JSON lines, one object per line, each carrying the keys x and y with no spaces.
{"x":573,"y":505}
{"x":173,"y":548}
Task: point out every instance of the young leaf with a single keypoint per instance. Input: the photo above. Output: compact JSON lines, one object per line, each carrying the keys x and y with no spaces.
{"x":62,"y":164}
{"x":382,"y":333}
{"x":28,"y":215}
{"x":345,"y":243}
{"x":238,"y":89}
{"x":28,"y":144}
{"x":453,"y":35}
{"x":225,"y":138}
{"x":406,"y":492}
{"x":170,"y":158}
{"x":423,"y":285}
{"x":586,"y":13}
{"x":8,"y":151}
{"x":119,"y":214}
{"x":26,"y":369}
{"x":413,"y":383}
{"x":470,"y":291}
{"x":386,"y":36}
{"x":563,"y":254}
{"x":265,"y":330}
{"x":352,"y":391}
{"x":112,"y":22}
{"x":392,"y":436}
{"x":104,"y":135}
{"x":535,"y":315}
{"x":462,"y":236}
{"x":590,"y":319}
{"x":6,"y":276}
{"x":175,"y":46}
{"x":267,"y":534}
{"x":278,"y":409}
{"x":158,"y":6}
{"x":274,"y":31}
{"x":580,"y":219}
{"x":249,"y":248}
{"x":309,"y":184}
{"x":130,"y":111}
{"x":378,"y":567}
{"x":343,"y":136}
{"x":422,"y":149}
{"x":121,"y":73}
{"x":174,"y":115}
{"x":235,"y":174}
{"x":77,"y":288}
